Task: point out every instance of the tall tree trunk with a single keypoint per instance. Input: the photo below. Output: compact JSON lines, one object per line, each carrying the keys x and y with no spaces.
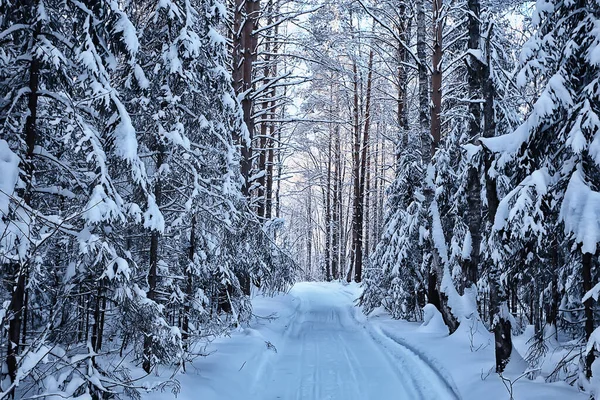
{"x":189,"y":287}
{"x":327,"y":195}
{"x":309,"y":231}
{"x":20,"y":269}
{"x":153,"y":258}
{"x":96,"y":340}
{"x":244,"y":55}
{"x":374,"y":223}
{"x":554,"y":303}
{"x":423,"y":85}
{"x":498,"y":293}
{"x":437,"y":268}
{"x":264,"y":124}
{"x":359,"y":211}
{"x":470,"y":266}
{"x":270,"y":160}
{"x":354,"y":254}
{"x":436,"y":77}
{"x":336,"y":205}
{"x":277,"y":142}
{"x":244,"y":40}
{"x":368,"y":208}
{"x":586,"y":272}
{"x":382,"y":164}
{"x":271,"y":142}
{"x":402,"y":114}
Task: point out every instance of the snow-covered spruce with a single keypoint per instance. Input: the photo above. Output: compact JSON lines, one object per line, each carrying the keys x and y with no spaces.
{"x":120,"y":193}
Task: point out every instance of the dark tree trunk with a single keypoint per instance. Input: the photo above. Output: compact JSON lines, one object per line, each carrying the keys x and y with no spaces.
{"x":436,"y":77}
{"x":20,"y":270}
{"x":423,"y":85}
{"x":354,"y":254}
{"x":470,"y":266}
{"x":436,"y":266}
{"x":98,"y":326}
{"x":370,"y":208}
{"x":309,"y":231}
{"x":336,"y":206}
{"x":244,"y":55}
{"x":364,"y":152}
{"x":498,"y":293}
{"x":263,"y":147}
{"x":189,"y":287}
{"x":271,"y":152}
{"x":327,"y":197}
{"x":586,"y":272}
{"x":402,"y":114}
{"x":153,"y":257}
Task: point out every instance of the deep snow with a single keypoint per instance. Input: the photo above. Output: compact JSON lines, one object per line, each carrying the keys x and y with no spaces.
{"x":319,"y":346}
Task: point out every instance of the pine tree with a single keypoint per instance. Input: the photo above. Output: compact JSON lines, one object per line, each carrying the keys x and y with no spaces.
{"x":554,"y":152}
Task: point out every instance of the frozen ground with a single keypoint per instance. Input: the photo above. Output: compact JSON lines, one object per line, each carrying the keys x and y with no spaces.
{"x":321,"y":347}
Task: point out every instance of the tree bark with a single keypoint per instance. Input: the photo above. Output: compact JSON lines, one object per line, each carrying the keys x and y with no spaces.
{"x":153,"y":257}
{"x":264,"y":124}
{"x":309,"y":228}
{"x":327,"y":195}
{"x":402,"y":114}
{"x":436,"y":77}
{"x":423,"y":85}
{"x":586,"y":272}
{"x":470,"y":266}
{"x":271,"y":143}
{"x":189,"y":286}
{"x":498,"y":294}
{"x":359,"y":211}
{"x":354,"y":254}
{"x":437,"y":268}
{"x":244,"y":55}
{"x":336,"y":205}
{"x":20,"y":270}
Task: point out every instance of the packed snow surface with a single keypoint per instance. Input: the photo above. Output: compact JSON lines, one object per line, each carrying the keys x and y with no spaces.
{"x":325,"y":353}
{"x":315,"y":344}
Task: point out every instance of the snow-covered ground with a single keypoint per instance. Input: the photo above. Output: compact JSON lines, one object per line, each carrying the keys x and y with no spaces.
{"x":315,"y":344}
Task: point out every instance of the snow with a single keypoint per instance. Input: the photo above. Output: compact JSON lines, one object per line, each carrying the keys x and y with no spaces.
{"x":594,"y":50}
{"x":126,"y":145}
{"x":140,"y":77}
{"x":592,"y":293}
{"x":100,"y":207}
{"x":314,"y":343}
{"x":467,"y":247}
{"x":153,"y":218}
{"x":432,"y":320}
{"x":437,"y":233}
{"x":554,"y":95}
{"x":124,"y":25}
{"x":542,"y":8}
{"x":216,"y":38}
{"x":579,"y":212}
{"x":9,"y":165}
{"x":520,"y":200}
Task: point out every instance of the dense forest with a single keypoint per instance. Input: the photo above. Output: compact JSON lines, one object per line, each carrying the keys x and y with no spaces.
{"x":161,"y":161}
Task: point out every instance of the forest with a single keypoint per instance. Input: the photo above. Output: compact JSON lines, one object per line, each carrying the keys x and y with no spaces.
{"x":168,"y":165}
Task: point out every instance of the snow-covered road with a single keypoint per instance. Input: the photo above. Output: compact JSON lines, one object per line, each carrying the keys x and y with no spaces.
{"x":314,"y":344}
{"x":326,"y":353}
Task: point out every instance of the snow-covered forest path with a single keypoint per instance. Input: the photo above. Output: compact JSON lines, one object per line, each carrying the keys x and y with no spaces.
{"x":327,"y":353}
{"x":313,"y":343}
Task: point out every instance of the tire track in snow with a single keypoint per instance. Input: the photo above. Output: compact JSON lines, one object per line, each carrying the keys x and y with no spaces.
{"x":406,"y":352}
{"x":326,"y":353}
{"x":265,"y":354}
